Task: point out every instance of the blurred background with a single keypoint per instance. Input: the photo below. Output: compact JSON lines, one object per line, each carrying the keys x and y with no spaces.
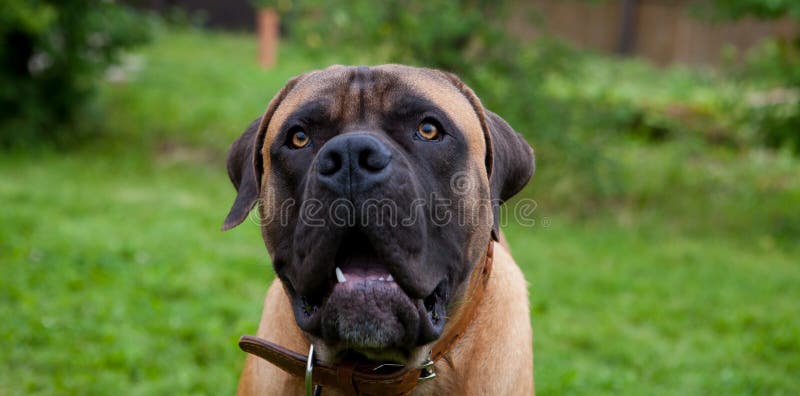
{"x":663,"y":260}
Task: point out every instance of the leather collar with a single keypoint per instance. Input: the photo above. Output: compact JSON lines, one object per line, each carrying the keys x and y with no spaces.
{"x":359,"y":378}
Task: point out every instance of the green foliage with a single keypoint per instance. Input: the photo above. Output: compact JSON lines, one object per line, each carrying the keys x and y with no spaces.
{"x":774,"y":115}
{"x":775,"y":111}
{"x":449,"y":35}
{"x":51,"y":57}
{"x":763,"y":9}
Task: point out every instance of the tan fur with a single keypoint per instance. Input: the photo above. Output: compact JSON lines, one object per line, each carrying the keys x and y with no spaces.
{"x":494,"y":357}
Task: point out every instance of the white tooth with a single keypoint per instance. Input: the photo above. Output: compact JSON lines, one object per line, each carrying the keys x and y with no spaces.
{"x":380,"y":279}
{"x":389,"y":278}
{"x":340,"y":276}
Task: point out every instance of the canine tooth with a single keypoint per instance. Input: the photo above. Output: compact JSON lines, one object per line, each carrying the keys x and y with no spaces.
{"x":380,"y":279}
{"x":340,"y":276}
{"x":389,"y":278}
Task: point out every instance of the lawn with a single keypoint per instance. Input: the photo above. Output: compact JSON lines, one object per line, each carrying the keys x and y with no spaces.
{"x":117,"y":280}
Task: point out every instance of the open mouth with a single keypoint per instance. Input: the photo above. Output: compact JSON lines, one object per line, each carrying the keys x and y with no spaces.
{"x":357,"y":262}
{"x":363,"y":307}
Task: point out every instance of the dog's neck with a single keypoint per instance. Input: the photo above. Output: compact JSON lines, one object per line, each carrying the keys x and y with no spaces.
{"x":356,"y":377}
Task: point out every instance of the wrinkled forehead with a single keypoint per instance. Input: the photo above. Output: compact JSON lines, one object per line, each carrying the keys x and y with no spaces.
{"x":348,"y":90}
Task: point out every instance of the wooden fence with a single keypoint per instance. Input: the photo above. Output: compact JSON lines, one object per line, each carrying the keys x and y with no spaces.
{"x":663,"y":31}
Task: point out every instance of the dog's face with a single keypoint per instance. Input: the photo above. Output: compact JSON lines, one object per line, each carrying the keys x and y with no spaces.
{"x":378,"y":191}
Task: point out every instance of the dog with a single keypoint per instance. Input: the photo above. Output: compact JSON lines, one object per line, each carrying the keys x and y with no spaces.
{"x":378,"y":192}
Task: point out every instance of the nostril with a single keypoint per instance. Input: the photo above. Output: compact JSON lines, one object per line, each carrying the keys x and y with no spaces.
{"x":374,"y":159}
{"x":330,"y":163}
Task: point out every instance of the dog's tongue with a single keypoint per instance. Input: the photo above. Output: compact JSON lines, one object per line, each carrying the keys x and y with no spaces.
{"x":363,"y":267}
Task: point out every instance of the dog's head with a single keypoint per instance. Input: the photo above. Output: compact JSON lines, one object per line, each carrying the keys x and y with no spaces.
{"x":378,"y":189}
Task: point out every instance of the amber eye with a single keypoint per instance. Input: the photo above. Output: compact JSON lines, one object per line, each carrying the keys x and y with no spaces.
{"x":300,"y":139}
{"x":427,"y":131}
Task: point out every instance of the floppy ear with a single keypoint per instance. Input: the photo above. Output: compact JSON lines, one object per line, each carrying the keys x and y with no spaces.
{"x":242,"y":174}
{"x":513,"y":163}
{"x":245,"y":164}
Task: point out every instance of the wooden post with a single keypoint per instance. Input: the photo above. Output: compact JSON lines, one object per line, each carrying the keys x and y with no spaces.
{"x":268,"y":22}
{"x":626,"y":44}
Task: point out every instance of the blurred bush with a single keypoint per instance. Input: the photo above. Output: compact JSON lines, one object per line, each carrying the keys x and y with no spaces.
{"x":773,"y":114}
{"x":737,"y":9}
{"x":450,"y":35}
{"x":52,"y":55}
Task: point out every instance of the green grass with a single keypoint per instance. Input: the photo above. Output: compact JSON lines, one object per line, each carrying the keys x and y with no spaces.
{"x":629,"y":311}
{"x":116,"y":280}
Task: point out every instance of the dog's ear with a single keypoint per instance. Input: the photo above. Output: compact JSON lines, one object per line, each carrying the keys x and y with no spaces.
{"x":245,"y":164}
{"x":510,"y":160}
{"x":513,"y":163}
{"x":242,"y":175}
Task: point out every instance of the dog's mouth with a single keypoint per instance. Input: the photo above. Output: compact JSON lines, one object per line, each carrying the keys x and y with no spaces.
{"x":363,"y":308}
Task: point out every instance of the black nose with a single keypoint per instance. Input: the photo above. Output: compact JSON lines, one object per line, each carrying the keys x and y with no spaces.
{"x":354,"y":162}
